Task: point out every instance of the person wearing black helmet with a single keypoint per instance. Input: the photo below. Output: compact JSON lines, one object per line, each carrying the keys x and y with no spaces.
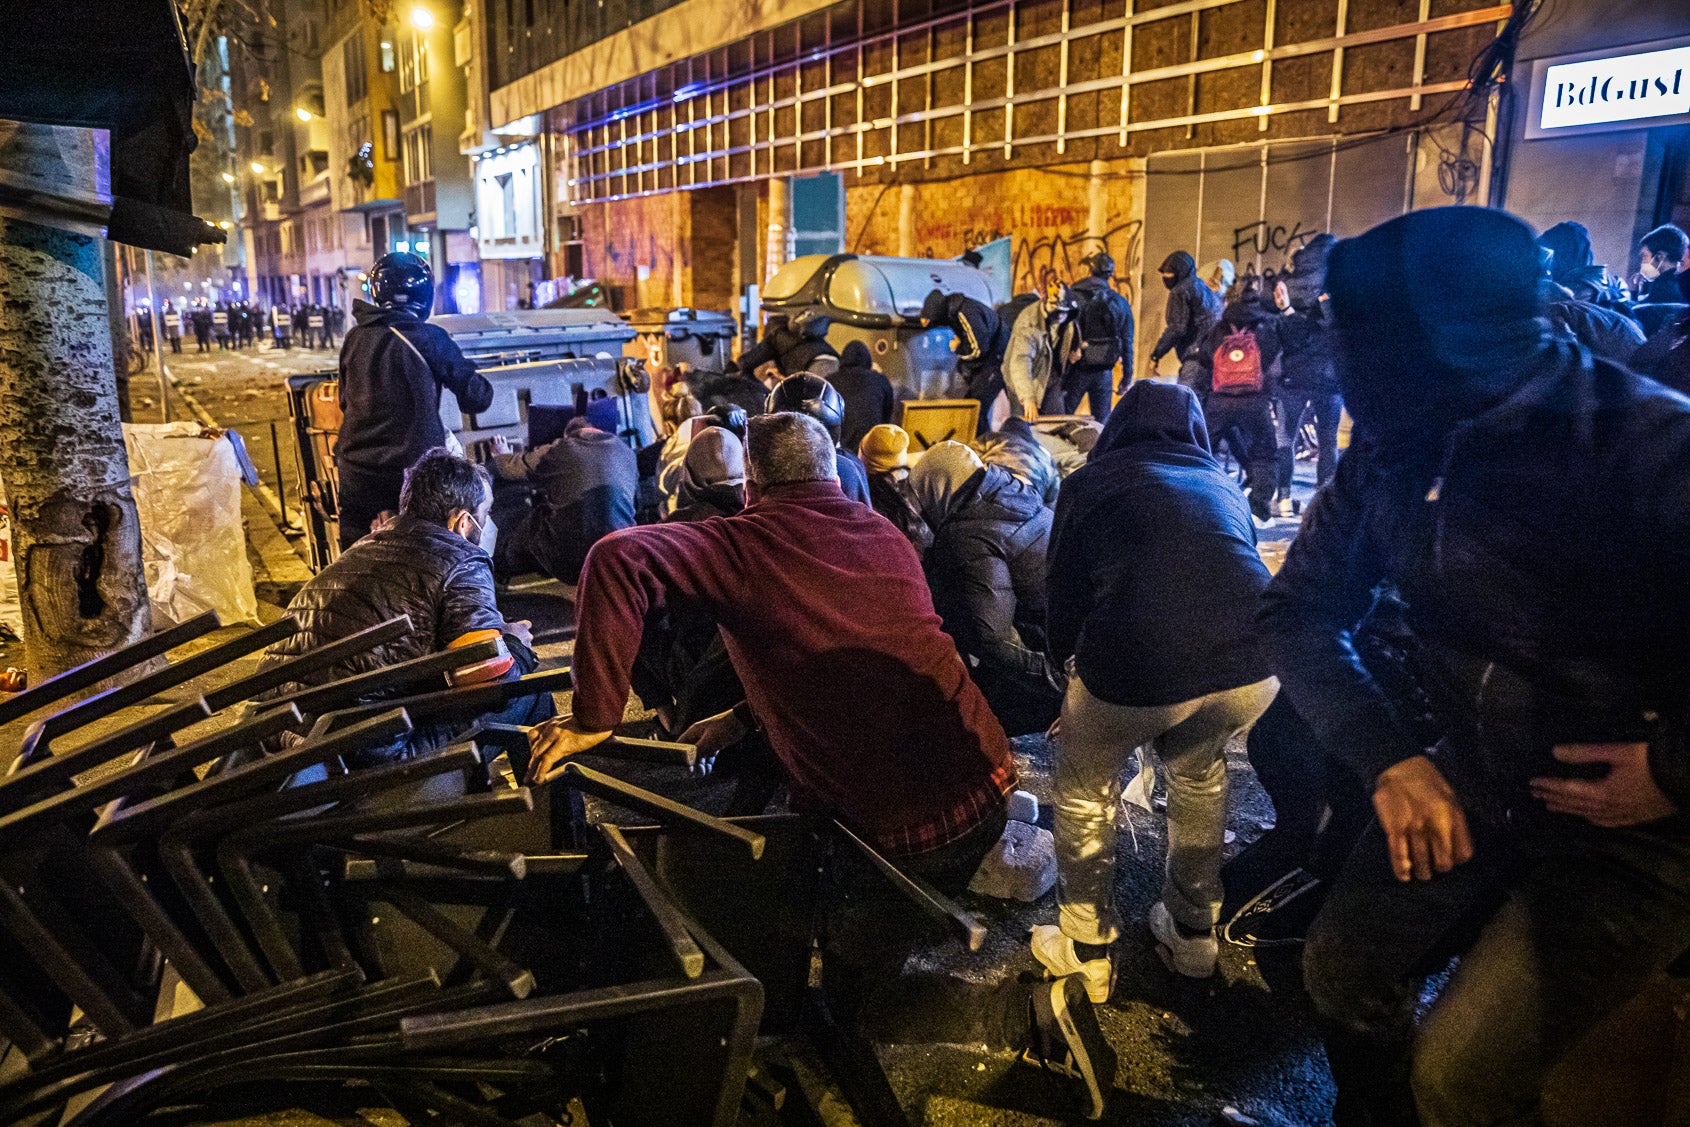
{"x":809,"y":394}
{"x":392,"y":367}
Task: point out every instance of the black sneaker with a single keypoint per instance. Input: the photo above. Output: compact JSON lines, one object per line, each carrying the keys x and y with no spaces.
{"x":1279,"y":915}
{"x":1067,"y":1040}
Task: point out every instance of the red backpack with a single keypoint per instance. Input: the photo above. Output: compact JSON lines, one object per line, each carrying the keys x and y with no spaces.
{"x":1238,"y":364}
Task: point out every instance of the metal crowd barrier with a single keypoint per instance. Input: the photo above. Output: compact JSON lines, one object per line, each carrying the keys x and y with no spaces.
{"x":423,"y":928}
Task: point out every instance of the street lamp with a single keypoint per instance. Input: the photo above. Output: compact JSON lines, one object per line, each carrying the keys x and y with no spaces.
{"x":422,"y":19}
{"x":258,"y":169}
{"x":228,"y":178}
{"x":302,"y":113}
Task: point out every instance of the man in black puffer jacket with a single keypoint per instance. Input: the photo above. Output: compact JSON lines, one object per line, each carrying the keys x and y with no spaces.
{"x":392,"y":367}
{"x":1531,"y":505}
{"x":791,"y":345}
{"x":987,"y":571}
{"x":428,"y":563}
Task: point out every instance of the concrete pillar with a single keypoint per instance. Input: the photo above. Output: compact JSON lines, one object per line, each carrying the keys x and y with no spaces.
{"x":780,"y":224}
{"x":906,"y":221}
{"x":1097,"y":207}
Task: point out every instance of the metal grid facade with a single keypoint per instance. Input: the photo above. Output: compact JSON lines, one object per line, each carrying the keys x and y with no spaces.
{"x":894,"y":89}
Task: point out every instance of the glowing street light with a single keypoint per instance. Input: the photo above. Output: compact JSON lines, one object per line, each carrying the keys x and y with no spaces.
{"x":302,"y":113}
{"x":258,"y":169}
{"x":422,"y":19}
{"x":228,"y":178}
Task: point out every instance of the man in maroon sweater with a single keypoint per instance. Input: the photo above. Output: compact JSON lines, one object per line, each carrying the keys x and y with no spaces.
{"x":829,"y":622}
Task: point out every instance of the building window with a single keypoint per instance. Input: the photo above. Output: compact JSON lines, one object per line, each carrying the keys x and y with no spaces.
{"x":418,"y":156}
{"x":357,"y":72}
{"x":388,"y":55}
{"x":413,"y":66}
{"x":390,"y":134}
{"x":507,"y":205}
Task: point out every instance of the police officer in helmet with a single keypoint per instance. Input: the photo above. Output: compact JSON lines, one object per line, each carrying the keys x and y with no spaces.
{"x":809,"y":394}
{"x":392,"y":367}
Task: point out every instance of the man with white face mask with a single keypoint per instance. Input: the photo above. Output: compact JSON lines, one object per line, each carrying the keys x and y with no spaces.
{"x":429,"y":562}
{"x":1661,"y":258}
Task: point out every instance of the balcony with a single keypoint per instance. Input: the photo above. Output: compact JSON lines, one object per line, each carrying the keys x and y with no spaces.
{"x":419,"y":200}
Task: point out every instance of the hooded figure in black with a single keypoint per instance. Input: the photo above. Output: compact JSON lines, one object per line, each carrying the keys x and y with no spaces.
{"x":980,"y":340}
{"x":1193,"y":309}
{"x":1529,"y":504}
{"x":869,"y":398}
{"x":1573,"y":264}
{"x":987,"y":571}
{"x":583,"y":488}
{"x":1154,"y":573}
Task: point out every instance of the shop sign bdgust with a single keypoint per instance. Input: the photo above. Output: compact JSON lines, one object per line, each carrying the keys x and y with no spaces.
{"x":1586,"y":94}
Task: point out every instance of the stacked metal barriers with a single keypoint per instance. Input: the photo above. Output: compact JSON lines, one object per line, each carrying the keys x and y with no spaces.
{"x":204,"y":915}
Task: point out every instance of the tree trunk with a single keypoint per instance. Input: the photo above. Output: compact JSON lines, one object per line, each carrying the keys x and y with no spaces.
{"x":122,"y":352}
{"x":75,"y":535}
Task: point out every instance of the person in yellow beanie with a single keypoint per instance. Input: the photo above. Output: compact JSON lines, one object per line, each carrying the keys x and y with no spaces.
{"x":884,"y":448}
{"x":885,"y":451}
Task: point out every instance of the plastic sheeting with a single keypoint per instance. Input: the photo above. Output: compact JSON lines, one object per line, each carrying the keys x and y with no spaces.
{"x":187,"y":483}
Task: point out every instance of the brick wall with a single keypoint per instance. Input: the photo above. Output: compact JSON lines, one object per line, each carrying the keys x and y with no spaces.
{"x":682,"y":241}
{"x":1043,"y":210}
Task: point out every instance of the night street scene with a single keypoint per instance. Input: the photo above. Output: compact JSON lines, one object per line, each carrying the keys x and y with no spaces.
{"x":844,"y":563}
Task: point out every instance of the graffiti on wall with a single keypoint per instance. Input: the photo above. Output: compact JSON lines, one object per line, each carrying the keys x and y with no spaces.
{"x":1265,"y":237}
{"x":1037,"y":260}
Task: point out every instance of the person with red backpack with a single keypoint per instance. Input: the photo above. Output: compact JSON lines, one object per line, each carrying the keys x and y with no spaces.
{"x":1237,"y":389}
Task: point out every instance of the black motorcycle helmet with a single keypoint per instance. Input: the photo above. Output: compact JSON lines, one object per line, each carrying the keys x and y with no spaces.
{"x":807,"y":394}
{"x":728,"y":417}
{"x":403,"y":281}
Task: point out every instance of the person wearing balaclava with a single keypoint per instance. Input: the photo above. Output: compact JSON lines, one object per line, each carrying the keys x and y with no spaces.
{"x":1528,"y":503}
{"x":987,"y":571}
{"x":1154,"y":578}
{"x":869,"y":398}
{"x":1193,"y":308}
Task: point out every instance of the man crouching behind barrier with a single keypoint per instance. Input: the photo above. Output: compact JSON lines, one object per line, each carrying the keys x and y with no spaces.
{"x":864,"y":700}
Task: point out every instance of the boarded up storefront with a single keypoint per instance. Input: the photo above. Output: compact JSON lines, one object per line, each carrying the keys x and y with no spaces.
{"x":1256,"y":204}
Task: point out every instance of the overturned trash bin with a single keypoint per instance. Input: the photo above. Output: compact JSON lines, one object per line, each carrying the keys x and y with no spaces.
{"x":877,"y":300}
{"x":668,"y":338}
{"x":541,"y":363}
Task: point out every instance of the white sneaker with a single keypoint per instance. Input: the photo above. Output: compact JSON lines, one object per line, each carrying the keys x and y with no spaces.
{"x":1194,"y":956}
{"x":1055,"y":952}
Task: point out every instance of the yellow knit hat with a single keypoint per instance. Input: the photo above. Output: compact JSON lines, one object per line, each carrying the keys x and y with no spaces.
{"x":884,"y":447}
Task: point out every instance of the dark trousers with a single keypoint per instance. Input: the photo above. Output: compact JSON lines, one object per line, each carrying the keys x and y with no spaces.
{"x":1245,"y":424}
{"x":1095,"y":384}
{"x":1569,"y":923}
{"x":984,"y":382}
{"x":175,"y":344}
{"x":870,"y":932}
{"x":363,"y":495}
{"x":1320,"y":807}
{"x":1328,"y":407}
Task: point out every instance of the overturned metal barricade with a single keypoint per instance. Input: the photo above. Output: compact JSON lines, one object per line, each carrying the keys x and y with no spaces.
{"x":191,"y":923}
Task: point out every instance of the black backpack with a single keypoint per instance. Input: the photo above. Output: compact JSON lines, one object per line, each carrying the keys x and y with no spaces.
{"x":1099,"y":346}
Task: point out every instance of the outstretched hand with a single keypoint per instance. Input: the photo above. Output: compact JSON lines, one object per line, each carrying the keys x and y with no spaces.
{"x":711,"y":735}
